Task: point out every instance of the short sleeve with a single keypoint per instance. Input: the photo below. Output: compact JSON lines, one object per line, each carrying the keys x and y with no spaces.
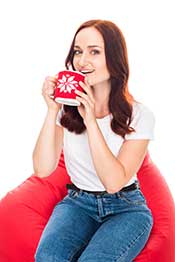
{"x":60,"y":113}
{"x":143,"y":121}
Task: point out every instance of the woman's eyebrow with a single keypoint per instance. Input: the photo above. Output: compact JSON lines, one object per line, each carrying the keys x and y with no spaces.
{"x":89,"y":46}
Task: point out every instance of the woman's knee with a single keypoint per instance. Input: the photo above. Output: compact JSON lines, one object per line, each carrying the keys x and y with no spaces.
{"x":46,"y":255}
{"x":47,"y":250}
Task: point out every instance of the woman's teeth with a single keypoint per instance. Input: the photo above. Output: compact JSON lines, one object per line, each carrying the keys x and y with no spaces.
{"x":87,"y":72}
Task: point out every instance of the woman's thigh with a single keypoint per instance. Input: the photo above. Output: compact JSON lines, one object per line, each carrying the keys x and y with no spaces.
{"x":119,"y":239}
{"x":66,"y":234}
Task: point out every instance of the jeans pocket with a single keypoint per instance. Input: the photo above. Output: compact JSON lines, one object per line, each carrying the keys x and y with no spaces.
{"x":134,"y":197}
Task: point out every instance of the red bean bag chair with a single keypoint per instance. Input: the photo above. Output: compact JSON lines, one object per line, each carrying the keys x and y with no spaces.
{"x":25,"y":211}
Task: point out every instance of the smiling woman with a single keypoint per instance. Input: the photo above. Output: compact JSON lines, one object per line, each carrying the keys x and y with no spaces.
{"x":94,"y":50}
{"x":35,"y":48}
{"x":104,"y":140}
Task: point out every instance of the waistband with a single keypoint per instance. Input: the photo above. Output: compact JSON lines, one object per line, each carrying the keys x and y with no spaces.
{"x":124,"y":189}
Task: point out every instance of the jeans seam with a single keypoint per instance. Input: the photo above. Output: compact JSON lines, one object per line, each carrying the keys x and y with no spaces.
{"x":77,"y":250}
{"x":132,"y":244}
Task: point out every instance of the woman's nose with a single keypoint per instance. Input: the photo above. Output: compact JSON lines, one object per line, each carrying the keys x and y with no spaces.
{"x":83,"y":60}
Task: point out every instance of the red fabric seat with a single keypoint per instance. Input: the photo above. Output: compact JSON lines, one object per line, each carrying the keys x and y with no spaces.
{"x":25,"y":211}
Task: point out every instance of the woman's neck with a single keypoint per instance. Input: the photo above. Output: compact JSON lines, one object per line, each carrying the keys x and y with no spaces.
{"x":101,"y":96}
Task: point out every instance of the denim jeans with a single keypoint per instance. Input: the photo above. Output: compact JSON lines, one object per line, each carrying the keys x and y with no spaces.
{"x":103,"y":228}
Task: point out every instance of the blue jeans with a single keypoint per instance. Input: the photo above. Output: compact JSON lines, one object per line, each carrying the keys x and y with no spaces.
{"x":88,"y":228}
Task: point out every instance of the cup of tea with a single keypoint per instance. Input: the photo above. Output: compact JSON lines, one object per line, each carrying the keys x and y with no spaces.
{"x":67,"y":83}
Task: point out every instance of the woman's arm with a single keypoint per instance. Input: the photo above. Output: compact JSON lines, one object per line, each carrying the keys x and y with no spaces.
{"x":114,"y":172}
{"x":48,"y":147}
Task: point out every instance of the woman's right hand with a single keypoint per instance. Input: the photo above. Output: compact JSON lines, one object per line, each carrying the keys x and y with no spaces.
{"x":48,"y":93}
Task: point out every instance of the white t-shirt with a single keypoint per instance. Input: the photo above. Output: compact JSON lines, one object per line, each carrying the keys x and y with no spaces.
{"x":78,"y":160}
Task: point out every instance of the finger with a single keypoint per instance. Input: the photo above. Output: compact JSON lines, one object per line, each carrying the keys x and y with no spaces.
{"x":86,"y":81}
{"x":85,"y":97}
{"x":51,"y":78}
{"x":81,"y":94}
{"x":82,"y":101}
{"x":49,"y":84}
{"x":87,"y":104}
{"x":48,"y":90}
{"x":88,"y":90}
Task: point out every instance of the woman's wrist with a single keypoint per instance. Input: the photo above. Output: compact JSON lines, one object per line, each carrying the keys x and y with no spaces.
{"x":51,"y":116}
{"x":53,"y":111}
{"x":92,"y":125}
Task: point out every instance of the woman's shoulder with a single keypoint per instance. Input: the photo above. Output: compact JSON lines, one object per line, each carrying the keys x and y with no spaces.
{"x":143,"y":122}
{"x":141,"y":109}
{"x":142,"y":115}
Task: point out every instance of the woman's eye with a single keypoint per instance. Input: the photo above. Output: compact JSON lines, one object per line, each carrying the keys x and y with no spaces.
{"x":92,"y":52}
{"x":95,"y":52}
{"x":77,"y":52}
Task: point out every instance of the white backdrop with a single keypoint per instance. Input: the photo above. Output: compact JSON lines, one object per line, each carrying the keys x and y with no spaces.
{"x":35,"y":37}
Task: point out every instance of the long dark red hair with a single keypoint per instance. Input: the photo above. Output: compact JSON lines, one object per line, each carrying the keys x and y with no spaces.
{"x":120,"y":100}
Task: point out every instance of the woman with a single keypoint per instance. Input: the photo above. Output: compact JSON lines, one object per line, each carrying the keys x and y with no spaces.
{"x":104,"y":217}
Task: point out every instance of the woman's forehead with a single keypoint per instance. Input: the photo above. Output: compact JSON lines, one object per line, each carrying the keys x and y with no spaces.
{"x":89,"y":36}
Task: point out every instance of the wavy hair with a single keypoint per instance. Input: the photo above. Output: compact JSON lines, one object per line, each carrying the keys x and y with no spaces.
{"x":120,"y":100}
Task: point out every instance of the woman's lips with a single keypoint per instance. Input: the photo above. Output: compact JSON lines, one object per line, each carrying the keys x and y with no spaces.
{"x":87,"y":71}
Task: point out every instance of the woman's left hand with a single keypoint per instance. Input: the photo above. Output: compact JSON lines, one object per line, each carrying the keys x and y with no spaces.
{"x":87,"y":103}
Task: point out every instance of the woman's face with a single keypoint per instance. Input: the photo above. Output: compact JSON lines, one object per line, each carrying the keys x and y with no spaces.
{"x":89,"y":56}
